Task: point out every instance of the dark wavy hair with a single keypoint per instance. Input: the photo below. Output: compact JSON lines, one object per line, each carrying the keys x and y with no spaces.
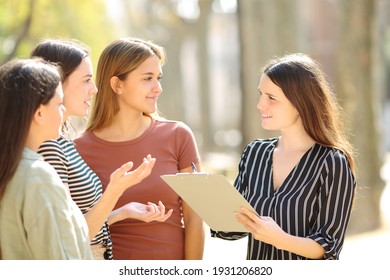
{"x":67,"y":54}
{"x":25,"y":84}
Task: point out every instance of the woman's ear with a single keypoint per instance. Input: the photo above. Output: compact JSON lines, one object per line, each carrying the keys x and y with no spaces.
{"x":116,"y":84}
{"x":39,"y":115}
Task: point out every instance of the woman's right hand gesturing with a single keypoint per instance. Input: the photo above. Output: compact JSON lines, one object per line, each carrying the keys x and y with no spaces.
{"x":122,"y":178}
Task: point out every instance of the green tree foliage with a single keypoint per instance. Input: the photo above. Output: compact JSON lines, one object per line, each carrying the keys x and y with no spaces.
{"x":24,"y":23}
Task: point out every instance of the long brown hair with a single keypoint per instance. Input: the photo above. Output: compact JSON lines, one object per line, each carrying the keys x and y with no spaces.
{"x":118,"y":59}
{"x":306,"y":87}
{"x":25,"y":84}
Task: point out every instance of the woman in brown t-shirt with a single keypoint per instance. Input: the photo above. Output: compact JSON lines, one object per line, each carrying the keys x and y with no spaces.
{"x":124,"y":125}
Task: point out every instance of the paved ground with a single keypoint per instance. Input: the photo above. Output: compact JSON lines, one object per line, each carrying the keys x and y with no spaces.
{"x":375,"y":244}
{"x":370,"y":245}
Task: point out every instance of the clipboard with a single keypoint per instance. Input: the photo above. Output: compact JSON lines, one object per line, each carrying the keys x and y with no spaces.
{"x":212,"y":197}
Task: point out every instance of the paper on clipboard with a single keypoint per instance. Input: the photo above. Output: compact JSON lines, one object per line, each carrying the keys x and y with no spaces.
{"x":212,"y":197}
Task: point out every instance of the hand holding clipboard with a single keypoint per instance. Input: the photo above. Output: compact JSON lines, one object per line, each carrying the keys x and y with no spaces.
{"x":212,"y":197}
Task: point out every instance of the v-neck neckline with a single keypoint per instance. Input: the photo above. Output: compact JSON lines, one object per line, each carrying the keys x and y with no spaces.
{"x":292,"y":170}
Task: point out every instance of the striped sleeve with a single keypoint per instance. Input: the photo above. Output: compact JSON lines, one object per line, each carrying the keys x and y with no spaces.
{"x":53,"y":154}
{"x":335,"y":204}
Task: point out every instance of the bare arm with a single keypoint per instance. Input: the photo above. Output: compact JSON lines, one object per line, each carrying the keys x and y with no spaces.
{"x":120,"y":180}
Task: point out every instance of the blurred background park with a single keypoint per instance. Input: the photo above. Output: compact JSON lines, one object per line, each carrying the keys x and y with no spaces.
{"x":215,"y":51}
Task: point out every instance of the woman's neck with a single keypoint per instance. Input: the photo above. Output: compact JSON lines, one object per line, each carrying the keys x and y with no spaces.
{"x":125,"y":128}
{"x":33,"y":142}
{"x":295,"y":140}
{"x":295,"y":143}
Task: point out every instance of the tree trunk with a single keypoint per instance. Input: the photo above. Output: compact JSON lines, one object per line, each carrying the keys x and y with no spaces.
{"x":267,"y":29}
{"x":204,"y":82}
{"x":355,"y":87}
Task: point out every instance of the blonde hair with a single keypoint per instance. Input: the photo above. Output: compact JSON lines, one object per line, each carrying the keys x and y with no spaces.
{"x":118,"y":59}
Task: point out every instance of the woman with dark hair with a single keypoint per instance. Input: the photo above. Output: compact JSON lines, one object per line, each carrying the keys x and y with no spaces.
{"x":85,"y":187}
{"x":38,"y":219}
{"x":301,"y":183}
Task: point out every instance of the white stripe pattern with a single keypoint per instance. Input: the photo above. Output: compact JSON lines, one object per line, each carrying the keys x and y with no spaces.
{"x":314,"y":201}
{"x":84,"y":185}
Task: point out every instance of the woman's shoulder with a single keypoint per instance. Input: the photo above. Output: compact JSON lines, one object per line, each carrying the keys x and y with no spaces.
{"x":44,"y":185}
{"x":171,"y":125}
{"x":167,"y":122}
{"x":33,"y":168}
{"x":333,"y":159}
{"x":36,"y":185}
{"x":51,"y":144}
{"x":262,"y":143}
{"x":60,"y":145}
{"x":334,"y":155}
{"x":85,"y":137}
{"x":259,"y":146}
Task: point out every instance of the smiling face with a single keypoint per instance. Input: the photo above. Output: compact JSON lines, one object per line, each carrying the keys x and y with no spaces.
{"x":140,"y":90}
{"x":78,"y":89}
{"x":277,"y":112}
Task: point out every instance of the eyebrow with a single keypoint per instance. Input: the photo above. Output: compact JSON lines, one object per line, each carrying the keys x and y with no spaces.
{"x":150,"y":73}
{"x":269,"y":94}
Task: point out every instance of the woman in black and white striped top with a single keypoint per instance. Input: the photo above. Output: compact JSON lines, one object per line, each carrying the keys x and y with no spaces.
{"x":301,"y":183}
{"x":84,"y":185}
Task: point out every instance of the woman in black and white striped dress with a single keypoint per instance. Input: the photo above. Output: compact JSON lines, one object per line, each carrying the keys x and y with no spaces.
{"x":301,"y":183}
